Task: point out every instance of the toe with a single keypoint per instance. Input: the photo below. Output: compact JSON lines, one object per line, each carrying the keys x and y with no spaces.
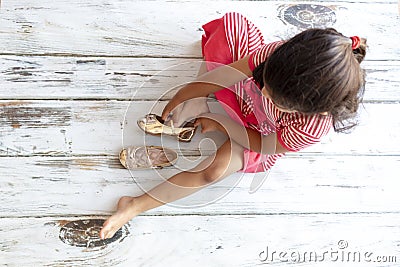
{"x":110,"y":234}
{"x":102,"y":233}
{"x":105,"y":230}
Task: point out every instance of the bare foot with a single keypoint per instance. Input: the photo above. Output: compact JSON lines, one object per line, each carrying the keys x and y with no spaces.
{"x":125,"y":212}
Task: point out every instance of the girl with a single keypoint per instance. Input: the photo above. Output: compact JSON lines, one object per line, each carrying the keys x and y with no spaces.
{"x":281,"y":97}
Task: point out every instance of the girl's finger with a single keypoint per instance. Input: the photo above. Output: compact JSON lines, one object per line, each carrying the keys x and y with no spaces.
{"x":168,"y":109}
{"x":177,"y":116}
{"x":203,"y":128}
{"x":206,"y":129}
{"x":166,"y":112}
{"x":197,"y":122}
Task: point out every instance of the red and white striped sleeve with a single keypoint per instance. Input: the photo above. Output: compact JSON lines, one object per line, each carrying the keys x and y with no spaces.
{"x":261,"y":54}
{"x":305,"y":131}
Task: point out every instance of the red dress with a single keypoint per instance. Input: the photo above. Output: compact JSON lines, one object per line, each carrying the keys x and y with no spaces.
{"x":229,"y":39}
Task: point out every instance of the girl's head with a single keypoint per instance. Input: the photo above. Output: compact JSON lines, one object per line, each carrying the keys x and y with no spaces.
{"x":316,"y":71}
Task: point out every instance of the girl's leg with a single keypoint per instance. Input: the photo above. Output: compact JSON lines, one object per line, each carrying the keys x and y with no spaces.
{"x":228,"y":159}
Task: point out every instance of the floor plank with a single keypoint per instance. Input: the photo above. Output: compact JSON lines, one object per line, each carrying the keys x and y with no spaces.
{"x":140,"y":28}
{"x":137,"y":78}
{"x":211,"y":241}
{"x":56,"y":128}
{"x":68,"y":70}
{"x":56,"y":186}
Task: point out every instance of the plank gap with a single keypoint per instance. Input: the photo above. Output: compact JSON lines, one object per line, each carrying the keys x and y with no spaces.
{"x":196,"y":153}
{"x":214,"y":214}
{"x":124,"y":99}
{"x":141,"y":56}
{"x":100,"y":55}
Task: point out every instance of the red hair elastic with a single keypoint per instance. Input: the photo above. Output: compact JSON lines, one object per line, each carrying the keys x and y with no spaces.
{"x":355,"y":42}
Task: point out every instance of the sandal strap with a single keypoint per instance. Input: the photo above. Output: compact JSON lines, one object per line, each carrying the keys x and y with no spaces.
{"x":135,"y":160}
{"x":183,"y":133}
{"x":145,"y":157}
{"x":172,"y":126}
{"x":151,"y":117}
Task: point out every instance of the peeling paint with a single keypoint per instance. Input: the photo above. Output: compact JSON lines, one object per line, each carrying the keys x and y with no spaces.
{"x":86,"y":164}
{"x":14,"y":103}
{"x":91,"y":61}
{"x":34,"y":117}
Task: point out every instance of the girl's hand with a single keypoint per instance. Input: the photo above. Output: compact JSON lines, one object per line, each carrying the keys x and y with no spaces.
{"x":209,"y":124}
{"x":174,"y":105}
{"x":182,"y":111}
{"x":210,"y":82}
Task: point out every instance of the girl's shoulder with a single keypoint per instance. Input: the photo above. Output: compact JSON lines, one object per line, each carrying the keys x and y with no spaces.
{"x":299,"y":131}
{"x":261,"y":54}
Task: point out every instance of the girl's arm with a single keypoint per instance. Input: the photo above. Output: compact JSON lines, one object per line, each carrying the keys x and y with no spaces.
{"x":247,"y":138}
{"x":210,"y":82}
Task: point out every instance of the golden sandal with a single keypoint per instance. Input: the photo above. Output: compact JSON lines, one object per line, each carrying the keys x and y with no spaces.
{"x":154,"y":124}
{"x":147,"y":157}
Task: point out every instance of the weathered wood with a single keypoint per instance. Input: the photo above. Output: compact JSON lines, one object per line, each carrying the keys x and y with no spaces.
{"x":101,"y":128}
{"x":68,"y":70}
{"x":136,"y":78}
{"x":212,"y":241}
{"x":55,"y":186}
{"x":169,"y":28}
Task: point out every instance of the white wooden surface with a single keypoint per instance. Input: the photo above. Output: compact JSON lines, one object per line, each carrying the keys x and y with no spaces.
{"x":136,"y":78}
{"x":75,"y":76}
{"x":228,"y":240}
{"x":168,"y":28}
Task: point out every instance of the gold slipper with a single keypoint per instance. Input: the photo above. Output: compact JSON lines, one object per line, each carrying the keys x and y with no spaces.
{"x":153,"y":124}
{"x":147,"y":157}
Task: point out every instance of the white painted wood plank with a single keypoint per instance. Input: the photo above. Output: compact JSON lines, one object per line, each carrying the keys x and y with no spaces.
{"x":211,"y":241}
{"x":136,"y":78}
{"x":168,"y":28}
{"x":55,"y":186}
{"x":94,"y":78}
{"x":100,"y":127}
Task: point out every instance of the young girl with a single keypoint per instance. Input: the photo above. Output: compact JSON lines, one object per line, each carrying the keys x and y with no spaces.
{"x":281,"y":97}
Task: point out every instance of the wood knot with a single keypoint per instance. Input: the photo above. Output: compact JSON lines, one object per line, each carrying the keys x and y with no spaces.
{"x":305,"y":16}
{"x":85,"y":233}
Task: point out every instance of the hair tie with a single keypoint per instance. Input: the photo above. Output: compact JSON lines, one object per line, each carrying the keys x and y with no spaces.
{"x":355,"y":42}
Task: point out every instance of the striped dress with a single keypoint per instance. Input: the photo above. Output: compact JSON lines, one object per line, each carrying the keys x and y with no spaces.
{"x":229,"y":39}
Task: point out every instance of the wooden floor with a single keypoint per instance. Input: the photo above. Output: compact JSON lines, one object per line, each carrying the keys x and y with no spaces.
{"x":74,"y":77}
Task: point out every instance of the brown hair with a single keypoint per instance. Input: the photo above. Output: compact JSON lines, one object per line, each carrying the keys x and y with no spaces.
{"x":316,"y":71}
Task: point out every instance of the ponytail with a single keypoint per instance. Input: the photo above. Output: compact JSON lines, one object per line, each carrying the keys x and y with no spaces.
{"x":361,"y":50}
